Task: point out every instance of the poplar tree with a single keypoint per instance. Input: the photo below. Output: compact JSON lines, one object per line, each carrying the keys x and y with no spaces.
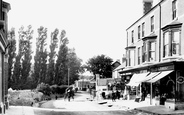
{"x":40,"y":59}
{"x":62,"y":61}
{"x":52,"y":57}
{"x":11,"y":58}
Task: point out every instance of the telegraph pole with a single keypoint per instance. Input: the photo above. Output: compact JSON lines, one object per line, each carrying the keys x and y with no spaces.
{"x":68,"y":76}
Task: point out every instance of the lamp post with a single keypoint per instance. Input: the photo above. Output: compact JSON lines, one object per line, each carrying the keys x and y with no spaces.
{"x":68,"y":76}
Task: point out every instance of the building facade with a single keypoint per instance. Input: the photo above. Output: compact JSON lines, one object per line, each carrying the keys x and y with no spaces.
{"x":155,"y":53}
{"x":4,"y":8}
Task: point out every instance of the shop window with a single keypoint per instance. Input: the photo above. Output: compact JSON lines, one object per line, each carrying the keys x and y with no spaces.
{"x":180,"y":87}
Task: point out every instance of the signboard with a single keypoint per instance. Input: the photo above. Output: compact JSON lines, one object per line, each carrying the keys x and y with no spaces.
{"x":163,"y":68}
{"x":180,"y":80}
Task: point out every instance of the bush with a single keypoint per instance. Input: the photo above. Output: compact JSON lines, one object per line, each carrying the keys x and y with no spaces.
{"x":55,"y":89}
{"x":44,"y":88}
{"x":24,"y":97}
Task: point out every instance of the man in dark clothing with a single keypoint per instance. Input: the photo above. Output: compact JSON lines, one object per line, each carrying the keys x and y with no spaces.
{"x":113,"y":96}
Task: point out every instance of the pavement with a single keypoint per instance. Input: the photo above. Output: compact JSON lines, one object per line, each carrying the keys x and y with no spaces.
{"x":119,"y":104}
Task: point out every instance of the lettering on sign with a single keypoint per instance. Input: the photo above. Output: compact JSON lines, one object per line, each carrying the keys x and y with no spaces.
{"x":180,"y":80}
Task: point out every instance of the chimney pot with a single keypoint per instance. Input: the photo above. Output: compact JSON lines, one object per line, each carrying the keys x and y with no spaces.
{"x":147,"y":5}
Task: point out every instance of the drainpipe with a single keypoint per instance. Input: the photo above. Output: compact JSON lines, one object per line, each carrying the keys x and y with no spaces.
{"x":160,"y":32}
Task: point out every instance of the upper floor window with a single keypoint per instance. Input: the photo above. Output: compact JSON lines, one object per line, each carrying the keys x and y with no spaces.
{"x":132,"y":36}
{"x":131,"y":57}
{"x":171,"y":40}
{"x":144,"y":54}
{"x":174,"y":9}
{"x":171,"y":45}
{"x":175,"y":44}
{"x":149,"y":48}
{"x":139,"y":32}
{"x":166,"y":44}
{"x":143,"y":29}
{"x":152,"y":23}
{"x":151,"y":51}
{"x":139,"y":55}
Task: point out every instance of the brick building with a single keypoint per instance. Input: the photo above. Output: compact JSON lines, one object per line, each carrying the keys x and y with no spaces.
{"x":155,"y":53}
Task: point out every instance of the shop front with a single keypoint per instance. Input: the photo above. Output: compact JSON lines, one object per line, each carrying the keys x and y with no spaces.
{"x":160,"y":83}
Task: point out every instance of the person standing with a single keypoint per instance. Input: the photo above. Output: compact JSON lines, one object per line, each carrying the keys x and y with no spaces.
{"x":113,"y":96}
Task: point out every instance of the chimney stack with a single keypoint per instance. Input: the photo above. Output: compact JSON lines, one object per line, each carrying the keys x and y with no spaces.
{"x":147,"y":5}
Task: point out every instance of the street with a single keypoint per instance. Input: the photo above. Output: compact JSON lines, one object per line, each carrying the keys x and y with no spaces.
{"x":81,"y":106}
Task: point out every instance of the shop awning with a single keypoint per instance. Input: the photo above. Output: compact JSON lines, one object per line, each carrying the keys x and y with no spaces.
{"x":136,"y":78}
{"x":160,"y":76}
{"x":150,"y":76}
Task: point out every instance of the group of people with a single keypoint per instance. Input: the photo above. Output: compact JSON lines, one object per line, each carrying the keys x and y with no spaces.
{"x":69,"y":93}
{"x":115,"y":95}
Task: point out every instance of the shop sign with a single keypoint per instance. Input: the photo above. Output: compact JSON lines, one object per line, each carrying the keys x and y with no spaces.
{"x":180,"y":80}
{"x":164,"y":68}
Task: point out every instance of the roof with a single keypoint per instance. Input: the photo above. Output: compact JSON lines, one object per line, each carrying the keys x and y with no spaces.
{"x":172,"y":25}
{"x":122,"y":66}
{"x":146,"y":14}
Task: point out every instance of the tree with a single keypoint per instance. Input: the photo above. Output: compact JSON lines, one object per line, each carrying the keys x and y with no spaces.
{"x":101,"y":65}
{"x":74,"y":65}
{"x":40,"y":59}
{"x":52,"y":55}
{"x":22,"y":64}
{"x":25,"y":37}
{"x":11,"y":58}
{"x":62,"y":61}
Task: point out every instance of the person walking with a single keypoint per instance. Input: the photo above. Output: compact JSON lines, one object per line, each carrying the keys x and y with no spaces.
{"x":113,"y":96}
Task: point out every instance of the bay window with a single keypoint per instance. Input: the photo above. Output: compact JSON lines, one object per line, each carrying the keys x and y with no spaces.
{"x":132,"y":57}
{"x":139,"y":55}
{"x":166,"y":44}
{"x":171,"y":43}
{"x":149,"y":48}
{"x":175,"y":42}
{"x":151,"y":51}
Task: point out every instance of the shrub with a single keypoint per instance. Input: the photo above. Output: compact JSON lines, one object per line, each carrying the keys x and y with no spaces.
{"x":44,"y":88}
{"x":24,"y":97}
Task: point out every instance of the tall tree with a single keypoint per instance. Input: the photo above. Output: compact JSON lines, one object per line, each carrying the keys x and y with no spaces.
{"x":11,"y":58}
{"x":52,"y":55}
{"x":25,"y":37}
{"x":62,"y":61}
{"x":74,"y":66}
{"x":40,"y":59}
{"x":101,"y":65}
{"x":22,"y":65}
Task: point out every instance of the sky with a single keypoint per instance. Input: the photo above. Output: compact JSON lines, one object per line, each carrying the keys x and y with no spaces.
{"x":93,"y":27}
